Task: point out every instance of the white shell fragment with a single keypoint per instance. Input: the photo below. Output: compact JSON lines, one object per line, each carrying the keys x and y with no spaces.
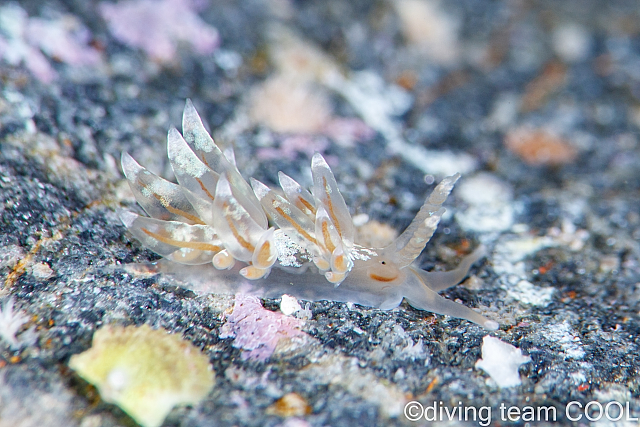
{"x":501,"y":361}
{"x":214,"y":216}
{"x":289,"y":305}
{"x":146,"y":372}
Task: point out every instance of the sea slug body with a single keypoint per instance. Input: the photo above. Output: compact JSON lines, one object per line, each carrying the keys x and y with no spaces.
{"x":292,"y":242}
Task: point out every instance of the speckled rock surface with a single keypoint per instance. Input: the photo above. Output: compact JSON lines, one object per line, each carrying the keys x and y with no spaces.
{"x":537,"y":103}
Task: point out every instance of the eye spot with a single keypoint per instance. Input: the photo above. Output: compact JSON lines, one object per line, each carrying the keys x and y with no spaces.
{"x":383,"y":262}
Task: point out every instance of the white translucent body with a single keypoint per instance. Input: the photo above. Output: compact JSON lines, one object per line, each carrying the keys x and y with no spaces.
{"x":214,"y":217}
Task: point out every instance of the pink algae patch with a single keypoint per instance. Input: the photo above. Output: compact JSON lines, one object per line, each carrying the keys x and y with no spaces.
{"x":291,"y":145}
{"x":539,"y":147}
{"x":346,"y":131}
{"x":32,"y":41}
{"x":64,"y":40}
{"x":158,"y":26}
{"x":257,"y":330}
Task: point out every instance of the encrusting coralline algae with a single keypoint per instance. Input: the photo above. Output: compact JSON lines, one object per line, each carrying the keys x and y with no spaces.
{"x":300,"y":243}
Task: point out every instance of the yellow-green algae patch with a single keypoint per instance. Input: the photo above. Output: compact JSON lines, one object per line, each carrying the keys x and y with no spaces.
{"x":145,"y":372}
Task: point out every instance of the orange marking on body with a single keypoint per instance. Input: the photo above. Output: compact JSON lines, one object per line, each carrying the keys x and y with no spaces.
{"x":382,"y":278}
{"x":253,"y":273}
{"x":177,"y":211}
{"x":201,"y":156}
{"x":327,"y":237}
{"x":340,"y":264}
{"x":264,"y":254}
{"x":204,"y":188}
{"x":302,"y":203}
{"x":186,"y":215}
{"x":191,"y":245}
{"x":330,"y":207}
{"x":295,"y":225}
{"x":243,"y":242}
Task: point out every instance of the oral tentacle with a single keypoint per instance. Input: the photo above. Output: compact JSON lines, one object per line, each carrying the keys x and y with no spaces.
{"x":406,"y":248}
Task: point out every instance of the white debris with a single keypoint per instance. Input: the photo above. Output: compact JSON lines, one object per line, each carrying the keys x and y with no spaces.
{"x":614,"y":392}
{"x":504,"y":112}
{"x":229,"y":60}
{"x":569,"y":236}
{"x":510,"y":253}
{"x":484,"y":188}
{"x":41,"y":271}
{"x":571,"y":42}
{"x":439,"y":163}
{"x":289,"y":305}
{"x":491,"y":208}
{"x":501,"y":361}
{"x":10,"y":255}
{"x":562,"y":334}
{"x":295,"y":422}
{"x":609,"y":263}
{"x":578,"y":377}
{"x":515,"y":250}
{"x":360,"y":219}
{"x":378,"y":104}
{"x":428,"y":27}
{"x":508,"y":263}
{"x":528,"y":293}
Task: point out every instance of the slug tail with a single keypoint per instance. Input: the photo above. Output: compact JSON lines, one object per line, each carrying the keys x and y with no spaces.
{"x":420,"y":296}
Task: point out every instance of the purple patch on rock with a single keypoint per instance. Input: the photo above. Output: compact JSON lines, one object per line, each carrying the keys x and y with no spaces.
{"x":158,"y":26}
{"x":257,"y":330}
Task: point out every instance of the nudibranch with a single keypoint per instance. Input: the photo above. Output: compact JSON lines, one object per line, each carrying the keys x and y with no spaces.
{"x":293,"y":241}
